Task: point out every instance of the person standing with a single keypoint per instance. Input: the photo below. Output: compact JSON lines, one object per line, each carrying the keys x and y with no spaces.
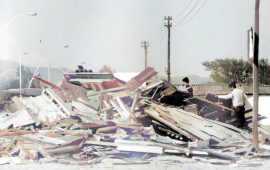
{"x":188,"y":88}
{"x":238,"y":102}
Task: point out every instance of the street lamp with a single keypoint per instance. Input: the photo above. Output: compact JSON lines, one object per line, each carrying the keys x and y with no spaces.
{"x":32,"y":13}
{"x":5,"y":28}
{"x":16,"y":17}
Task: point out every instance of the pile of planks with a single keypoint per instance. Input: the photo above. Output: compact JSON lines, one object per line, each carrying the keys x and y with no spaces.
{"x":194,"y":126}
{"x":71,"y":125}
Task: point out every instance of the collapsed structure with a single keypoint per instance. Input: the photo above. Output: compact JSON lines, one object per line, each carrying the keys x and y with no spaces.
{"x":85,"y":122}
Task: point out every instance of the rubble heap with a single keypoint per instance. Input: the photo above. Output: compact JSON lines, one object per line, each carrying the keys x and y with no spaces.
{"x":131,"y":122}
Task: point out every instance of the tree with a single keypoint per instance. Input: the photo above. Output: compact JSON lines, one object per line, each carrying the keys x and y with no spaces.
{"x":26,"y":76}
{"x":106,"y":69}
{"x":224,"y":70}
{"x":264,"y":71}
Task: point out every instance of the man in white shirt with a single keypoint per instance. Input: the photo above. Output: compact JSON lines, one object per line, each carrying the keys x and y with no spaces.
{"x":238,"y":102}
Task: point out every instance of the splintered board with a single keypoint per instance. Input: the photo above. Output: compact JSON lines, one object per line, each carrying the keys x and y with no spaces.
{"x":212,"y":110}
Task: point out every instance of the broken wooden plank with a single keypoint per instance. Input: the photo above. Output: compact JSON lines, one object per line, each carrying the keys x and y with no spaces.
{"x":66,"y":107}
{"x":135,"y":100}
{"x":45,"y":139}
{"x":18,"y":119}
{"x":221,"y":155}
{"x":156,"y":116}
{"x":220,"y":106}
{"x":65,"y":150}
{"x":139,"y":148}
{"x":182,"y":123}
{"x":110,"y":129}
{"x":14,"y":132}
{"x":94,"y":93}
{"x":18,"y":103}
{"x":197,"y":124}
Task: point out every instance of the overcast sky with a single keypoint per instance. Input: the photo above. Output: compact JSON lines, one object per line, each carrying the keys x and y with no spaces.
{"x":110,"y":32}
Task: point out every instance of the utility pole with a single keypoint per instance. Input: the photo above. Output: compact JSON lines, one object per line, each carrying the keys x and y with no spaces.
{"x":145,"y":45}
{"x":255,"y":78}
{"x":168,"y":25}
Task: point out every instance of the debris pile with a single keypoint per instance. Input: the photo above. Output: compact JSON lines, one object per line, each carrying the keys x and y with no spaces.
{"x":134,"y":122}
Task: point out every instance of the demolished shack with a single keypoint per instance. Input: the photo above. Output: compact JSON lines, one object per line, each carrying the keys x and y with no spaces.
{"x":134,"y":121}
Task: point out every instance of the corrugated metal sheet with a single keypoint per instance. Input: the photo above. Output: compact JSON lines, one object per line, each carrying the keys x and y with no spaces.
{"x":102,"y":86}
{"x":144,"y":76}
{"x":93,"y":86}
{"x":73,"y":92}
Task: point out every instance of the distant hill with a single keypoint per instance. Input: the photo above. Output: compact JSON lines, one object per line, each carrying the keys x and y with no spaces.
{"x":194,"y":79}
{"x":6,"y":65}
{"x":8,"y":72}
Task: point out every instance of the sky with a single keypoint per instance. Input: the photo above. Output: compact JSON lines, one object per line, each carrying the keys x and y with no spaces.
{"x":109,"y":32}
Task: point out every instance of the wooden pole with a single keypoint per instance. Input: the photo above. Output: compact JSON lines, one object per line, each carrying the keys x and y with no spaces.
{"x":145,"y":45}
{"x":169,"y":25}
{"x":255,"y":78}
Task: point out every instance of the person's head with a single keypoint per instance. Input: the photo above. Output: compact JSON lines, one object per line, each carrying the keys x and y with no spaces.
{"x":185,"y":80}
{"x":232,"y":84}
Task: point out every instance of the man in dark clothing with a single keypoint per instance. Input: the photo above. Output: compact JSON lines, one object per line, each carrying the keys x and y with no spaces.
{"x":188,"y":88}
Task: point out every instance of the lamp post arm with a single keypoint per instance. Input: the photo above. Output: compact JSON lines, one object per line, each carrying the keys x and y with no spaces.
{"x":10,"y":21}
{"x":14,"y":18}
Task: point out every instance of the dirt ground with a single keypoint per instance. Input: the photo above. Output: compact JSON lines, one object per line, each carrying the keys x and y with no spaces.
{"x":157,"y":164}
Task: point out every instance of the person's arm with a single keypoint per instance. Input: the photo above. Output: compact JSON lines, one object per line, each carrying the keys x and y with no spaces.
{"x":244,"y":99}
{"x":190,"y":91}
{"x":228,"y":96}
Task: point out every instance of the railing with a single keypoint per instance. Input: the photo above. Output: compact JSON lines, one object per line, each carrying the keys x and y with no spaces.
{"x":220,"y":89}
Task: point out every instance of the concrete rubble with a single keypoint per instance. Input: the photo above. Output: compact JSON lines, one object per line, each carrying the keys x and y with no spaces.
{"x":136,"y":122}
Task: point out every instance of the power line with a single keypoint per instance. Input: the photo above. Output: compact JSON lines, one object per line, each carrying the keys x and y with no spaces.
{"x":183,"y":11}
{"x":155,"y":41}
{"x":196,"y":13}
{"x":187,"y":15}
{"x":160,"y":35}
